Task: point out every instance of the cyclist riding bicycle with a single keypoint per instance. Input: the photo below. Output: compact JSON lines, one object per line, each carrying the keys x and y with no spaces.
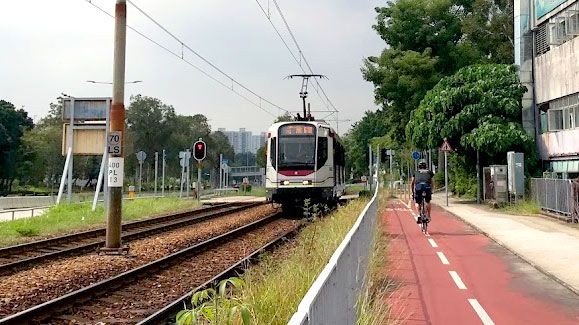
{"x":422,"y":182}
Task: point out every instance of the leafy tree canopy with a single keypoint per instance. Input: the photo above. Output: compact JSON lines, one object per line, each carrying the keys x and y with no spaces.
{"x":13,"y":123}
{"x":356,"y":141}
{"x":286,"y":117}
{"x":478,"y":108}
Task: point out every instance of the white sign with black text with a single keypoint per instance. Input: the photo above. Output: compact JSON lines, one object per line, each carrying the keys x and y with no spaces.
{"x":116,"y":171}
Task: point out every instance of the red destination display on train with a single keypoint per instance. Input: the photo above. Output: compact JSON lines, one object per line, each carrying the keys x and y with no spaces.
{"x":297,"y":129}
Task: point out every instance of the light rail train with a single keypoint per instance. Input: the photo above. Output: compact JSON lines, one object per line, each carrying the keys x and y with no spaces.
{"x":305,"y":160}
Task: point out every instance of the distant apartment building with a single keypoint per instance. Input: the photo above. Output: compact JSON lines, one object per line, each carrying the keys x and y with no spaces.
{"x":244,"y":141}
{"x":547,"y":53}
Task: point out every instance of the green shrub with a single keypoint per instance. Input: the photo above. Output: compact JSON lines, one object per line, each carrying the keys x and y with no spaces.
{"x":245,"y":187}
{"x":439,"y":179}
{"x":26,"y":230}
{"x":219,"y":306}
{"x":364,"y":193}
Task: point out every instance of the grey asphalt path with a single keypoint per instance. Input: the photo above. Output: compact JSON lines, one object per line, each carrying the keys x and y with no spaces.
{"x":550,"y":245}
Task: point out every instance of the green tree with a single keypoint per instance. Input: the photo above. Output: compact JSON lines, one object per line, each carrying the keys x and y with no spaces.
{"x":476,"y":109}
{"x":356,"y":141}
{"x":261,"y":157}
{"x":401,"y":79}
{"x":488,"y":26}
{"x":13,"y":124}
{"x":286,"y":117}
{"x":430,"y":39}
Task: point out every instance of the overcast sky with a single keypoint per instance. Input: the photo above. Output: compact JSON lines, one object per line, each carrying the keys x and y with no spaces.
{"x":49,"y":47}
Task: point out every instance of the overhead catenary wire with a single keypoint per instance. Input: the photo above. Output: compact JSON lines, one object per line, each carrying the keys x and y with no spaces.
{"x":327,"y":102}
{"x":301,"y":52}
{"x":205,"y":73}
{"x":297,"y":58}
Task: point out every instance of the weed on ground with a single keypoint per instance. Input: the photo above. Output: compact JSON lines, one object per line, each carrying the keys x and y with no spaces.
{"x":526,"y":207}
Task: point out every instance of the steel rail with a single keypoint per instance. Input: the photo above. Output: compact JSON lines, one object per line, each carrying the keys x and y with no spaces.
{"x":67,"y":301}
{"x":167,"y":314}
{"x":132,"y":230}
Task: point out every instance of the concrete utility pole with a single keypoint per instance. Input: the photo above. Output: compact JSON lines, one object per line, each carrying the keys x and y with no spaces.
{"x":114,"y":217}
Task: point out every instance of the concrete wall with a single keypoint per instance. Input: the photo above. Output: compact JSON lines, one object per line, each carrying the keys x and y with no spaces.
{"x":557,"y":72}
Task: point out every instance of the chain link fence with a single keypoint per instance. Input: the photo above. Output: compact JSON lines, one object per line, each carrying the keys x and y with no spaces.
{"x":556,"y":195}
{"x":333,"y":296}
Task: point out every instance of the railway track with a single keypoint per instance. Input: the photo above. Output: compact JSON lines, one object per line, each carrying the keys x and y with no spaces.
{"x":151,"y":292}
{"x":25,"y":255}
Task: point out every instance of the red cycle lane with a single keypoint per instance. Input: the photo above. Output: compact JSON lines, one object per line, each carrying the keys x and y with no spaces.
{"x":458,"y":276}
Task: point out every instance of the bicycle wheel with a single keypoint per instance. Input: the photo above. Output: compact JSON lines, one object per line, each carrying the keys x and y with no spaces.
{"x":423,"y":218}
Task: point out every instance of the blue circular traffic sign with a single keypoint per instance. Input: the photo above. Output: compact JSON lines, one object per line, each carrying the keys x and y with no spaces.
{"x":415,"y":155}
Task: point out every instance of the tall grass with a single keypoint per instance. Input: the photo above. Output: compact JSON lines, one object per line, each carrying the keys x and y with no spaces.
{"x":372,"y":308}
{"x":278,"y":283}
{"x":526,"y":207}
{"x":74,"y":217}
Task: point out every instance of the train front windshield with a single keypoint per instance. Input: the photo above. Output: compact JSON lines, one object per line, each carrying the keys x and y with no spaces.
{"x":297,"y":147}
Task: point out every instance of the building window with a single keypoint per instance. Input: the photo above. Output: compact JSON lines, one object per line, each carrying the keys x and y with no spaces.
{"x":563,"y":113}
{"x":544,"y":123}
{"x":573,"y":21}
{"x":555,"y":119}
{"x":557,"y":30}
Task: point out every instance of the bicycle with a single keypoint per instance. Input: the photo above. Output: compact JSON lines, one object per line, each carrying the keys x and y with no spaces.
{"x":423,"y":218}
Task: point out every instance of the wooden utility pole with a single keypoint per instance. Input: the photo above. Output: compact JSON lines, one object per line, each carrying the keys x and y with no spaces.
{"x":117,"y":124}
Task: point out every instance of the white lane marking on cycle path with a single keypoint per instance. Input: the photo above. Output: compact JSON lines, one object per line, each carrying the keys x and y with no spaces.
{"x":443,"y":258}
{"x":480,"y":311}
{"x":432,"y":243}
{"x":457,"y":280}
{"x":478,"y":308}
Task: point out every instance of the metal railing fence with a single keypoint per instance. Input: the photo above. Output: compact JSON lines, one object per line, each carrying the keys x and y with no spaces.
{"x":554,"y":195}
{"x":333,"y":296}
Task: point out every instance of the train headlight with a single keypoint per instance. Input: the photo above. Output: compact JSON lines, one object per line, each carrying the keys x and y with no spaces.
{"x":307,"y":182}
{"x":286,"y":182}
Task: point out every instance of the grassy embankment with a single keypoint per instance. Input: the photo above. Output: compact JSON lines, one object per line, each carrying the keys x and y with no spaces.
{"x":74,"y":217}
{"x":277,"y":284}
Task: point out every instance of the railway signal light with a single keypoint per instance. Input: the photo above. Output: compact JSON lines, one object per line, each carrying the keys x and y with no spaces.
{"x":199,"y":150}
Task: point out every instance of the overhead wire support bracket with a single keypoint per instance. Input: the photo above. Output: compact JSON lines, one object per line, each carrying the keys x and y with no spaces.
{"x":304,"y":89}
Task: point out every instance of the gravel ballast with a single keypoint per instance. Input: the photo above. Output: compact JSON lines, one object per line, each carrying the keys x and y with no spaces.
{"x":25,"y":289}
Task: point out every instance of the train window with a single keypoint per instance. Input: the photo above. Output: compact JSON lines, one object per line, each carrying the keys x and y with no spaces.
{"x":322,"y":152}
{"x":272,"y":152}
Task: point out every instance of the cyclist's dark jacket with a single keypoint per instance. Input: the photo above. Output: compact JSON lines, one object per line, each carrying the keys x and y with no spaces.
{"x":423,"y":176}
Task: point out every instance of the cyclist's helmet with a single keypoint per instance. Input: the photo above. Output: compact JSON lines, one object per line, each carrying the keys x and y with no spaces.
{"x":422,"y":164}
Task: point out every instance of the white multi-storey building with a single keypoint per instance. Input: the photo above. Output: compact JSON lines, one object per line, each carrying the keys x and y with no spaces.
{"x":244,"y":141}
{"x":547,"y":52}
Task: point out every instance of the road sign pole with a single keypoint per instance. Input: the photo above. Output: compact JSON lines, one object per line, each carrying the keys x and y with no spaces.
{"x":182,"y":176}
{"x":446,"y":175}
{"x":220,"y":170}
{"x":114,"y":217}
{"x":156,"y":170}
{"x":188,"y":173}
{"x":71,"y":144}
{"x":163,"y":176}
{"x":140,"y":176}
